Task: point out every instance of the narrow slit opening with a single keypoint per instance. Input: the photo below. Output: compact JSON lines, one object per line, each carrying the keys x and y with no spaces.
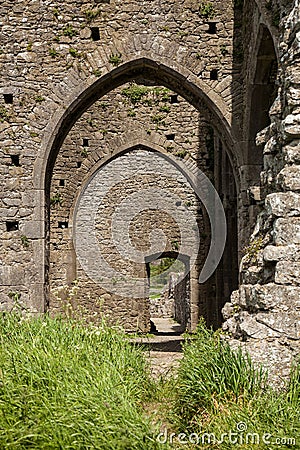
{"x":95,"y":33}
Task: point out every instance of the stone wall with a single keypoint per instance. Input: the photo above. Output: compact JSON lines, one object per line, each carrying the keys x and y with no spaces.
{"x":265,"y":311}
{"x":136,"y":110}
{"x":57,"y":60}
{"x":53,"y":67}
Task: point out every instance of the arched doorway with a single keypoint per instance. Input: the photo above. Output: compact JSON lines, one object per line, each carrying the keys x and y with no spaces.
{"x":210,"y":131}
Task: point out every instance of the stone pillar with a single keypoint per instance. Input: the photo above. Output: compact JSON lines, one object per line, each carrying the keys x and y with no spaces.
{"x":265,"y":311}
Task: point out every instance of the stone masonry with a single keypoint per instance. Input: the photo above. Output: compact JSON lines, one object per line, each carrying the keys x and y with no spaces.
{"x":217,"y":86}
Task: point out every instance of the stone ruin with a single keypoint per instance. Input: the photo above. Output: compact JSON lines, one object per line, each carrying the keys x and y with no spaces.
{"x":103,"y":99}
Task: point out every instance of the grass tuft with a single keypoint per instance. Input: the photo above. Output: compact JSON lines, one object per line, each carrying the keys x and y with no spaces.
{"x":70,"y":386}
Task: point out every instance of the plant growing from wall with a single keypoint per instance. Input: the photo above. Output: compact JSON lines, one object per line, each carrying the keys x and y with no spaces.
{"x":252,"y":250}
{"x":181,"y":153}
{"x":56,"y":199}
{"x":39,"y":99}
{"x":24,"y":240}
{"x":162,"y":94}
{"x":103,"y":105}
{"x":29,"y":46}
{"x":84,"y":153}
{"x":158,"y":119}
{"x":131,"y":113}
{"x":73,"y":52}
{"x":223,"y":50}
{"x":115,"y":59}
{"x":165,"y":108}
{"x":52,"y":52}
{"x":91,"y":14}
{"x":4,"y":115}
{"x":97,"y":72}
{"x":90,"y":122}
{"x":165,"y":97}
{"x":135,"y":93}
{"x":175,"y":245}
{"x":207,"y":10}
{"x":15,"y":296}
{"x":69,"y":31}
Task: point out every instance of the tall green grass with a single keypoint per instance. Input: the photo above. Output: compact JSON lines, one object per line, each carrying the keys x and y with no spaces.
{"x":64,"y":385}
{"x":211,"y":372}
{"x":218,"y":388}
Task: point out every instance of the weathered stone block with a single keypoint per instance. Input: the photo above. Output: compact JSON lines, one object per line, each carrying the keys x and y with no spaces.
{"x":291,"y":152}
{"x":283,"y":204}
{"x":228,"y":311}
{"x":251,"y":275}
{"x":285,"y":324}
{"x":289,"y":178}
{"x":34,"y":229}
{"x":287,"y":273}
{"x":291,"y":126}
{"x":11,"y":275}
{"x":269,"y":297}
{"x":282,"y":252}
{"x":287,"y":231}
{"x":37,"y":298}
{"x":250,"y":327}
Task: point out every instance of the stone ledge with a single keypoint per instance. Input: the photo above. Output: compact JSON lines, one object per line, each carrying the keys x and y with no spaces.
{"x":269,"y":296}
{"x":288,"y":273}
{"x":283,"y":204}
{"x":289,"y":178}
{"x":282,"y":252}
{"x":292,"y":152}
{"x":287,"y":231}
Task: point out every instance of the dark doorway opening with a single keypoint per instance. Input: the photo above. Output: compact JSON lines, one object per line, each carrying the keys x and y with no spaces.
{"x":169,"y":293}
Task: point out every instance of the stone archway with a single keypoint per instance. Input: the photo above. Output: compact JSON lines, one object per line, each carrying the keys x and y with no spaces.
{"x":164,"y":172}
{"x":219,"y":137}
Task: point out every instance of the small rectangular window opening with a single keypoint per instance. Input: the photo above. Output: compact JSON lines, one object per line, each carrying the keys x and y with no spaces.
{"x":214,"y":74}
{"x":85,"y":142}
{"x":62,"y":182}
{"x":8,"y":98}
{"x":174,"y":98}
{"x":95,"y":33}
{"x":78,"y":164}
{"x":212,"y":28}
{"x":12,"y":226}
{"x":170,"y":137}
{"x":63,"y":225}
{"x":15,"y":160}
{"x":102,"y":1}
